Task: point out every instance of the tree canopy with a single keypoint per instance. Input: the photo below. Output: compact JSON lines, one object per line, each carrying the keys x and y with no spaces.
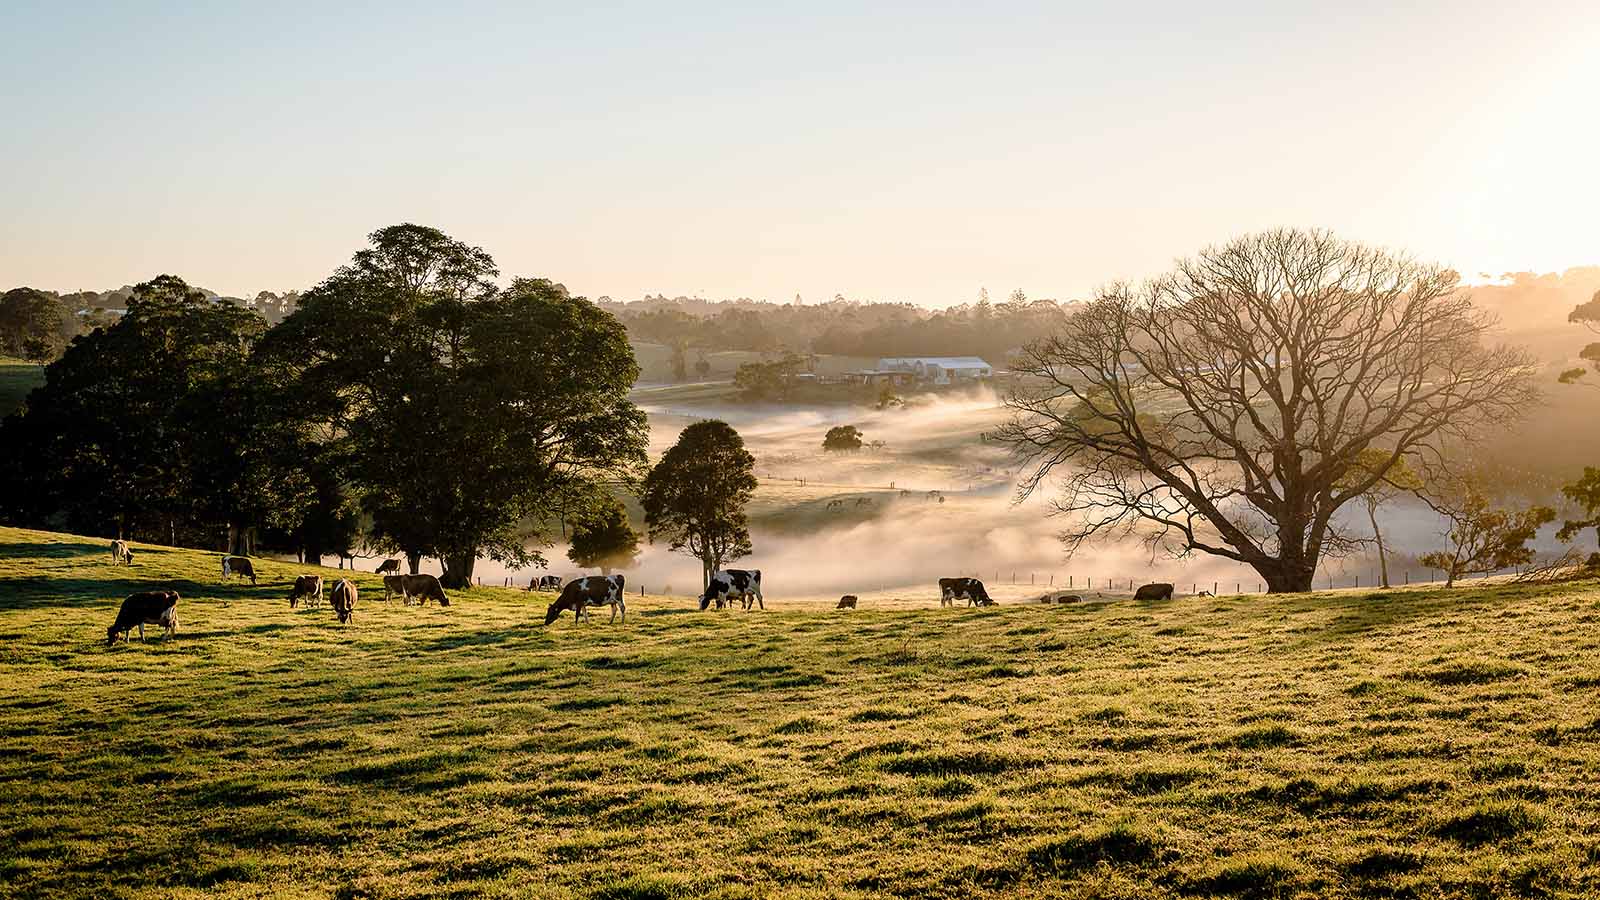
{"x":845,"y":438}
{"x":465,"y":408}
{"x":602,"y":538}
{"x":694,"y":498}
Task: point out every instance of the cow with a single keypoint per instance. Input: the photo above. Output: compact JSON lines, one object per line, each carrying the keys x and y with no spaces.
{"x":971,"y":589}
{"x":423,"y":587}
{"x":343,"y":599}
{"x":395,"y":584}
{"x":546,"y":583}
{"x":145,"y":608}
{"x":309,"y":587}
{"x":835,"y":504}
{"x":388,"y":566}
{"x":240,"y":566}
{"x":863,"y":501}
{"x":1205,"y":594}
{"x":725,"y":583}
{"x":848,"y":601}
{"x":590,"y":590}
{"x":1156,"y":591}
{"x":120,"y":554}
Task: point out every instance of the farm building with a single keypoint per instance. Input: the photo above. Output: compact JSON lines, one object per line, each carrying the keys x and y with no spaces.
{"x":939,"y":369}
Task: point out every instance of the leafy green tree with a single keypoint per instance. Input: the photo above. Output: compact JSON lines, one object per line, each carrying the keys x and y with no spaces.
{"x":602,"y":537}
{"x":33,"y":325}
{"x":695,"y":496}
{"x":845,"y":438}
{"x":1585,"y":492}
{"x":768,"y":380}
{"x":1587,"y":315}
{"x":1483,"y":538}
{"x":1395,"y":477}
{"x":462,"y":410}
{"x":129,"y":429}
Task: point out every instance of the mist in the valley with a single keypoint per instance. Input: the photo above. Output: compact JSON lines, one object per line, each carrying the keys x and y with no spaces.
{"x":903,"y":539}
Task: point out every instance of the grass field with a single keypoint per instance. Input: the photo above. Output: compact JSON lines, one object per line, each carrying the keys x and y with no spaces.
{"x":1415,"y":744}
{"x":17,"y":378}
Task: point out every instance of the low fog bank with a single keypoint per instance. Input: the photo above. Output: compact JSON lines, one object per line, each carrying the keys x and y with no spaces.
{"x":899,"y":541}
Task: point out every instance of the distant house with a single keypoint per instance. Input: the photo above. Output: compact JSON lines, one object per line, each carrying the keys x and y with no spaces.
{"x":938,"y":369}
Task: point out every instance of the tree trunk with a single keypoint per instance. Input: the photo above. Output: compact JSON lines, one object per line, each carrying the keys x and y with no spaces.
{"x":1286,"y":576}
{"x":458,"y":570}
{"x":1383,"y":560}
{"x":414,"y":561}
{"x":232,"y":549}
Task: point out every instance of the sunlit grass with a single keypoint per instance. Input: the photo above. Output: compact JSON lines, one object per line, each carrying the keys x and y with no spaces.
{"x":1415,"y":744}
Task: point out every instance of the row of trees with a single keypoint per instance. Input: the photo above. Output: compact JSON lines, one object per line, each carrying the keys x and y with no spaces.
{"x":407,"y":391}
{"x":981,"y":328}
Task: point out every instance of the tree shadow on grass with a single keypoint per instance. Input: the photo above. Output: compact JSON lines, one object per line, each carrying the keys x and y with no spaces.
{"x":39,"y":591}
{"x":53,"y":550}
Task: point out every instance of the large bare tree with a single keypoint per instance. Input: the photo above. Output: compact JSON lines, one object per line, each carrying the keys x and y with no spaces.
{"x":1222,"y":407}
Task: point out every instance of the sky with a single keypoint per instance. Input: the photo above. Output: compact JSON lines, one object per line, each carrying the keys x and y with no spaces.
{"x":879,"y":151}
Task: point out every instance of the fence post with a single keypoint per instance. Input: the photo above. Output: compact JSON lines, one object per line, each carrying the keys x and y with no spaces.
{"x":1213,"y":588}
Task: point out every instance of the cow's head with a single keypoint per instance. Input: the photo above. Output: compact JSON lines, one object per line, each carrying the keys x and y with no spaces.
{"x":111,"y":636}
{"x":705,"y":599}
{"x":553,"y":613}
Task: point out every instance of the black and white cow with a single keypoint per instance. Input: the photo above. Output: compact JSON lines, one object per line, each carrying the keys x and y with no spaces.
{"x":969,"y":589}
{"x":725,"y":584}
{"x":590,"y":590}
{"x":546,"y":583}
{"x":145,"y":608}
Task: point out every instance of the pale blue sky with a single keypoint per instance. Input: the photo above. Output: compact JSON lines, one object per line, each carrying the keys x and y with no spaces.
{"x":914,"y":152}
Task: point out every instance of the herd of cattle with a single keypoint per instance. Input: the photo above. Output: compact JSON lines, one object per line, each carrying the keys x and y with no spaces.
{"x":724,"y":588}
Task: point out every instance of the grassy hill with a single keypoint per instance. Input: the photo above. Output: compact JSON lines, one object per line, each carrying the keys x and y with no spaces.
{"x":1411,"y":744}
{"x":17,"y":378}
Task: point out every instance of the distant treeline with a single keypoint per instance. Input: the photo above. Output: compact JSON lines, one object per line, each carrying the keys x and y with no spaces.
{"x":844,"y":327}
{"x":37,"y":325}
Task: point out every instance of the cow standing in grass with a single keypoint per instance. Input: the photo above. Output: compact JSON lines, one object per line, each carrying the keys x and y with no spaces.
{"x":120,"y":554}
{"x":1158,"y":591}
{"x":591,"y":590}
{"x":546,"y":583}
{"x":309,"y":587}
{"x":423,"y":587}
{"x":726,"y":583}
{"x":240,"y":566}
{"x":145,"y":608}
{"x":343,"y":600}
{"x":970,"y":589}
{"x":388,"y":566}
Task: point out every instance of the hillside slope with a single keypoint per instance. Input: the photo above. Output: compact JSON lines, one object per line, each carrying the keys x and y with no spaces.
{"x":1345,"y":745}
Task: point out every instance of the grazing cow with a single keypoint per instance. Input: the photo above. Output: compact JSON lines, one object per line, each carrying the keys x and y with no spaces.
{"x":395,"y":584}
{"x":309,"y":587}
{"x":145,"y":608}
{"x":423,"y":587}
{"x":970,"y":589}
{"x":120,"y":553}
{"x":725,"y":583}
{"x":1069,"y":598}
{"x":848,"y":601}
{"x":590,"y":590}
{"x":1157,"y":591}
{"x":387,"y":566}
{"x":343,"y":599}
{"x":240,"y":566}
{"x":547,"y":583}
{"x":1205,"y":594}
{"x":835,"y":504}
{"x":863,"y":501}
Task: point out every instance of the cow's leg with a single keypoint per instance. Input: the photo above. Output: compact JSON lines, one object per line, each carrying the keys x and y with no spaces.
{"x":141,"y":632}
{"x":759,"y":601}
